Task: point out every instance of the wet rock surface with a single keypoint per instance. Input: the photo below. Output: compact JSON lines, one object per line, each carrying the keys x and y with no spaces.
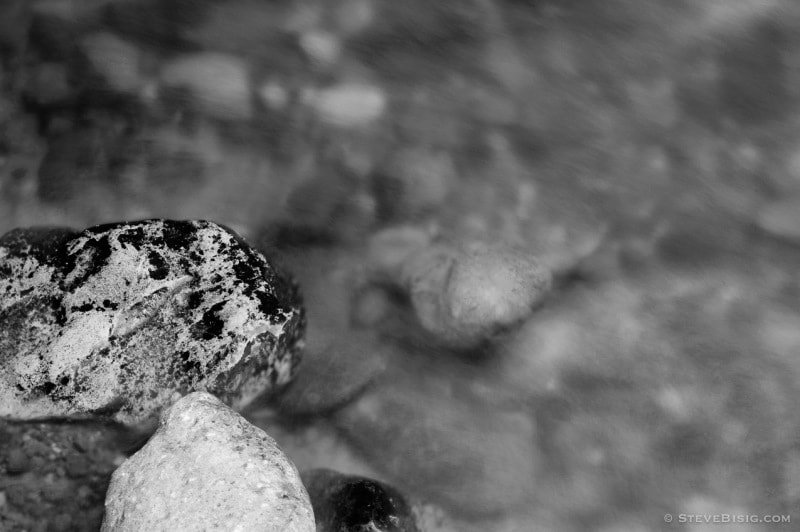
{"x":207,"y":468}
{"x":121,"y":319}
{"x":54,"y":475}
{"x":348,"y":503}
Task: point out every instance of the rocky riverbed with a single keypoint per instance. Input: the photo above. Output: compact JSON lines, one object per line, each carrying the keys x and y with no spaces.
{"x":455,"y":266}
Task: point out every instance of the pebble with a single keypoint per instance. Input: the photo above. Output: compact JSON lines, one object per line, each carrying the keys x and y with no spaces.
{"x":781,"y":218}
{"x":122,"y":319}
{"x":332,"y":377}
{"x":347,"y":104}
{"x":218,"y":83}
{"x":323,"y":47}
{"x":117,"y":60}
{"x":348,"y":503}
{"x":207,"y":468}
{"x":466,"y":295}
{"x":388,"y":249}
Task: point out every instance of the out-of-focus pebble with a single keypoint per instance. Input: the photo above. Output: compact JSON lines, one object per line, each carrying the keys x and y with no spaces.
{"x":347,"y":104}
{"x":274,"y":95}
{"x":388,"y":249}
{"x":781,"y":219}
{"x":117,"y":60}
{"x":353,"y":16}
{"x":219,"y":83}
{"x":466,"y":295}
{"x":321,"y":46}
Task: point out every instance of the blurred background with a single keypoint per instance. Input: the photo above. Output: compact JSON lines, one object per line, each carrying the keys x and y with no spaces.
{"x":645,"y":152}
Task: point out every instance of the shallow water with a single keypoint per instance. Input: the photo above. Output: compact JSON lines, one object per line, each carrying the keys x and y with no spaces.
{"x":645,"y":152}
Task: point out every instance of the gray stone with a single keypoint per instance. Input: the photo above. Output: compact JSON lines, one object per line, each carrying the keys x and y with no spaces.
{"x":207,"y":468}
{"x":465,"y":295}
{"x":123,"y":319}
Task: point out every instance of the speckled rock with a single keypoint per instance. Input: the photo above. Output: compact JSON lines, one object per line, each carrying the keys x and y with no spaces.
{"x":465,"y":295}
{"x":122,"y":319}
{"x":345,"y":503}
{"x":207,"y":468}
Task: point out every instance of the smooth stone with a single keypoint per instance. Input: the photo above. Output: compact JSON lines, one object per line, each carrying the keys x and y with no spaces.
{"x":117,"y":60}
{"x":219,"y":83}
{"x":122,"y":319}
{"x":781,"y":219}
{"x":388,"y":249}
{"x":207,"y":468}
{"x":349,"y":503}
{"x":333,"y":376}
{"x":466,"y":295}
{"x":347,"y":104}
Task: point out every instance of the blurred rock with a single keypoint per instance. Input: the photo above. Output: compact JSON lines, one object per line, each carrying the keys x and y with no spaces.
{"x":122,"y":319}
{"x":52,"y":468}
{"x":390,"y":248}
{"x":347,"y":104}
{"x":219,"y":84}
{"x":345,"y":503}
{"x":781,"y":218}
{"x":206,"y":467}
{"x":323,"y":47}
{"x":116,"y":60}
{"x":462,"y":453}
{"x":353,"y":16}
{"x":464,"y":296}
{"x":331,"y":378}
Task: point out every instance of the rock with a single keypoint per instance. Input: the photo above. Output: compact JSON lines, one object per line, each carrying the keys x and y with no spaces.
{"x":466,"y":295}
{"x":345,"y":503}
{"x":390,"y":248}
{"x":347,"y":104}
{"x":334,"y":376}
{"x":322,"y":47}
{"x":218,"y":83}
{"x":122,"y":319}
{"x":207,"y":468}
{"x":471,"y":457}
{"x":116,"y":60}
{"x":781,"y":219}
{"x":51,"y":468}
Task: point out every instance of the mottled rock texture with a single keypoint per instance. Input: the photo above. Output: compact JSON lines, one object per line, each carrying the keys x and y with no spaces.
{"x":207,"y":468}
{"x":348,"y":503}
{"x":122,"y":319}
{"x":54,"y":474}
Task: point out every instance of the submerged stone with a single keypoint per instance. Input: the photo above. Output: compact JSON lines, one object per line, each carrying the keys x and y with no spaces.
{"x":348,"y":503}
{"x":122,"y":319}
